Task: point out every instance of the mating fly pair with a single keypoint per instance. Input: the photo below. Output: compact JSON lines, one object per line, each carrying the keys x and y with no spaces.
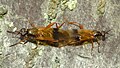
{"x":58,"y":37}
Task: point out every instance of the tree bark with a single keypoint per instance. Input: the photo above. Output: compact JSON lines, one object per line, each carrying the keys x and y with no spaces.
{"x":92,"y":14}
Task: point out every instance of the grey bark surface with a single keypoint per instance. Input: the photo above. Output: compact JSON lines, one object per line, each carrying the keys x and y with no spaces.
{"x":92,"y":14}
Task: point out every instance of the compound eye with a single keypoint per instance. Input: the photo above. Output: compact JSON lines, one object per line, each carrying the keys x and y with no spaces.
{"x":23,"y":31}
{"x":95,"y":34}
{"x":98,"y":34}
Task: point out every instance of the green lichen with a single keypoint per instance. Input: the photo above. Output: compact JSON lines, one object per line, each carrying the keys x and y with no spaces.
{"x":0,"y":31}
{"x":3,"y":11}
{"x":57,"y":8}
{"x":52,"y":9}
{"x":72,"y":4}
{"x":101,"y":7}
{"x":63,"y":4}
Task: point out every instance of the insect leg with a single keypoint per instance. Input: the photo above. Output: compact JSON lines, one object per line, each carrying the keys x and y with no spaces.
{"x":19,"y":42}
{"x":76,"y":24}
{"x":59,"y":25}
{"x":16,"y":43}
{"x":16,"y":32}
{"x":37,"y":43}
{"x":51,"y":24}
{"x":92,"y":45}
{"x":98,"y":45}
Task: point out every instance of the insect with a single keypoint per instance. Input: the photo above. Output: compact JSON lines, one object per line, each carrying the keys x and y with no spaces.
{"x":88,"y":36}
{"x":59,"y":37}
{"x":37,"y":34}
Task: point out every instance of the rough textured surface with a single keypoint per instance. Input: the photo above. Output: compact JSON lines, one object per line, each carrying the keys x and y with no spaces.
{"x":93,"y":14}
